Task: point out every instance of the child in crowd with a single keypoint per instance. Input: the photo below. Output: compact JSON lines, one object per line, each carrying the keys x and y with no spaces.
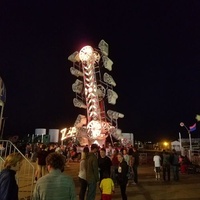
{"x":106,"y":187}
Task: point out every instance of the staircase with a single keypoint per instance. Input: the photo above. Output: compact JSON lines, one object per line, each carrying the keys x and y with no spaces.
{"x":25,"y":176}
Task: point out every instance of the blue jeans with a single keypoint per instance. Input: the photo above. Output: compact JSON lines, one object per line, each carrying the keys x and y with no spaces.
{"x":91,"y":193}
{"x":166,"y":172}
{"x":176,"y":172}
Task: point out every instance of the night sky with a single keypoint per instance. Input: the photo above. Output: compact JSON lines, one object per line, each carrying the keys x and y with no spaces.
{"x":155,"y":47}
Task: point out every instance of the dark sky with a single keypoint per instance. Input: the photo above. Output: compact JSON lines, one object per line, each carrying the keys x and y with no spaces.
{"x":155,"y":47}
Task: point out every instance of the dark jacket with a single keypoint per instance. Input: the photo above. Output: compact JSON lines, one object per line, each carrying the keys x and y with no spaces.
{"x":175,"y":159}
{"x":136,"y":158}
{"x":122,"y":173}
{"x":91,"y":166}
{"x":104,"y":165}
{"x":42,"y":154}
{"x":8,"y":185}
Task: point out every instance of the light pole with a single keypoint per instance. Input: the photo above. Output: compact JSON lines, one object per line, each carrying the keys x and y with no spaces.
{"x":190,"y":151}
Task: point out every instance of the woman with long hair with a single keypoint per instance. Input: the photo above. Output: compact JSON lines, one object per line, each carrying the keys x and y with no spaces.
{"x":8,"y":184}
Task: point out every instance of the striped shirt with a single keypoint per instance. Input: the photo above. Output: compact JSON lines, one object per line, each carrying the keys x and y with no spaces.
{"x":55,"y":186}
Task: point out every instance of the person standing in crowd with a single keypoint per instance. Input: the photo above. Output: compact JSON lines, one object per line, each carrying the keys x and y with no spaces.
{"x":121,"y":149}
{"x":109,"y":150}
{"x":8,"y":184}
{"x":82,"y":177}
{"x":157,"y":165}
{"x":106,"y":187}
{"x":122,"y":175}
{"x":184,"y":163}
{"x":86,"y":149}
{"x":125,"y":155}
{"x":35,"y":149}
{"x":55,"y":185}
{"x":166,"y":165}
{"x":92,"y":172}
{"x":41,"y":162}
{"x":130,"y":164}
{"x":175,"y":164}
{"x":51,"y":149}
{"x":28,"y":151}
{"x":104,"y":163}
{"x":114,"y":166}
{"x":136,"y":161}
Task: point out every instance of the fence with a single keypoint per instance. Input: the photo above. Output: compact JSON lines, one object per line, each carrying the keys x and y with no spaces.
{"x":25,"y":176}
{"x":195,"y":158}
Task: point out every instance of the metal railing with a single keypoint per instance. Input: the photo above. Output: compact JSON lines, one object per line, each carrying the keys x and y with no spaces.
{"x":25,"y":177}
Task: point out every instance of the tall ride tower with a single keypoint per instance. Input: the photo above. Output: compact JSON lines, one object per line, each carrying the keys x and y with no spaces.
{"x":94,"y":91}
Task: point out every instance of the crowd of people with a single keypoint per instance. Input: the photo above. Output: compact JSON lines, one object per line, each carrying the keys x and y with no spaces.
{"x":104,"y":169}
{"x":99,"y":168}
{"x":170,"y":161}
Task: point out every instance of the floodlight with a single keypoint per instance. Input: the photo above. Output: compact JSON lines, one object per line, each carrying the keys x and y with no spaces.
{"x":114,"y":115}
{"x":197,"y":118}
{"x":105,"y":126}
{"x":107,"y":63}
{"x":112,"y":96}
{"x":116,"y":133}
{"x":86,"y":53}
{"x":101,"y":91}
{"x":78,"y":103}
{"x":77,"y":86}
{"x":109,"y":79}
{"x":75,"y":72}
{"x":97,"y":56}
{"x":74,"y":57}
{"x":80,"y":121}
{"x":103,"y":46}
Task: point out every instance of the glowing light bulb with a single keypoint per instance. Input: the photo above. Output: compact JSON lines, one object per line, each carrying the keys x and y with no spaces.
{"x":85,"y":53}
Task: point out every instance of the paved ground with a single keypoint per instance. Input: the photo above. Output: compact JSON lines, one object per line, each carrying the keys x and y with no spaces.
{"x":188,"y":188}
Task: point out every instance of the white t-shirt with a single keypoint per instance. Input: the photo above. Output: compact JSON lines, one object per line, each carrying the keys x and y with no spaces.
{"x":157,"y":161}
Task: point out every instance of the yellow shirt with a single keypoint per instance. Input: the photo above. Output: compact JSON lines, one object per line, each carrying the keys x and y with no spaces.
{"x":107,"y":186}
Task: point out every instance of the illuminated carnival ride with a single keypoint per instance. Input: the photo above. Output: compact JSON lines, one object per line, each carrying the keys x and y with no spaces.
{"x":94,"y":92}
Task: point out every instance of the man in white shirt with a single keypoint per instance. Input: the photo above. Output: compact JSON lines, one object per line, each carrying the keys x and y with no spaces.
{"x":157,"y":165}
